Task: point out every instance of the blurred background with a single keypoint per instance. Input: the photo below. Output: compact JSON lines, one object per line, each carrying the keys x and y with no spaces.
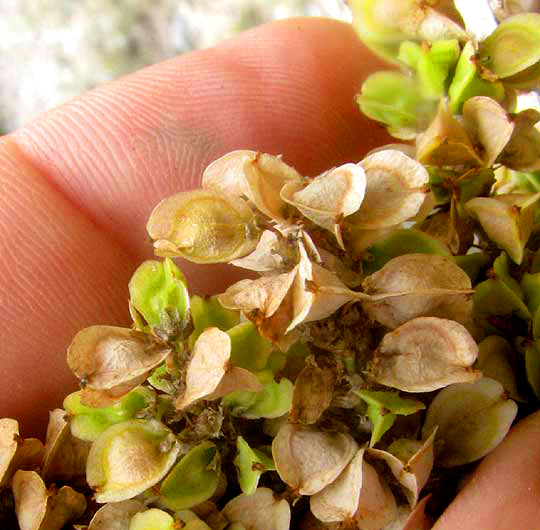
{"x":52,"y":50}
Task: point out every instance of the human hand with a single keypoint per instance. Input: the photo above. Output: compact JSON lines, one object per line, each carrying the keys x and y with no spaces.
{"x":78,"y":185}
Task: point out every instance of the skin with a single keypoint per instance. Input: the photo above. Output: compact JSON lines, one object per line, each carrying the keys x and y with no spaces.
{"x":78,"y":184}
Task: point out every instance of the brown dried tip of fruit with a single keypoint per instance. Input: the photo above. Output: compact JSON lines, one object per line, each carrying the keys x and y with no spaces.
{"x":446,"y":142}
{"x":307,"y":459}
{"x":523,"y":150}
{"x":235,"y":379}
{"x":116,"y":515}
{"x":113,"y":359}
{"x":396,"y":189}
{"x":40,"y":509}
{"x":260,"y":511}
{"x":489,"y":125}
{"x":330,"y":197}
{"x":266,"y":257}
{"x":508,"y":220}
{"x":410,"y":462}
{"x":377,"y":506}
{"x":65,"y":456}
{"x":339,"y":500}
{"x":313,"y":393}
{"x":208,"y":364}
{"x":425,"y":354}
{"x":431,"y":286}
{"x":257,"y":176}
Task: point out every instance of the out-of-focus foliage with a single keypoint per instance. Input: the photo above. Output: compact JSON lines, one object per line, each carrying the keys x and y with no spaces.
{"x":52,"y":50}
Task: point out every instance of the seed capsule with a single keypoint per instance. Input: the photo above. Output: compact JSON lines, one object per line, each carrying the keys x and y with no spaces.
{"x":127,"y":459}
{"x":262,"y":511}
{"x":472,"y":419}
{"x":507,"y":220}
{"x":203,"y":226}
{"x":40,"y":509}
{"x":513,"y":46}
{"x":153,"y":518}
{"x":339,"y":500}
{"x":257,"y":176}
{"x":116,"y":515}
{"x":308,"y":459}
{"x":430,"y":285}
{"x":114,"y":359}
{"x":425,"y":354}
{"x":395,"y":190}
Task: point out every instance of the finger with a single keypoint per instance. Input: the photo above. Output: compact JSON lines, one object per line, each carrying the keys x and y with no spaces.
{"x":58,"y":274}
{"x":503,"y":493}
{"x":286,"y":87}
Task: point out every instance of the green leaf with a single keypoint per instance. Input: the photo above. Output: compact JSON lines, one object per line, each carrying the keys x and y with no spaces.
{"x":467,"y":82}
{"x":492,"y":298}
{"x":383,"y":408}
{"x":248,"y":349}
{"x":207,"y":312}
{"x":501,"y":266}
{"x":399,"y":242}
{"x":530,"y":283}
{"x":192,"y":480}
{"x":473,"y":264}
{"x":250,"y":465}
{"x":160,"y":379}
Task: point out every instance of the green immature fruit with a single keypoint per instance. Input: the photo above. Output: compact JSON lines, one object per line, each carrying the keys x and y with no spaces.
{"x":158,"y":291}
{"x":472,"y":419}
{"x":514,"y":46}
{"x":87,"y":422}
{"x":393,"y":99}
{"x":194,"y":479}
{"x":154,"y":519}
{"x":129,"y":458}
{"x":468,"y":83}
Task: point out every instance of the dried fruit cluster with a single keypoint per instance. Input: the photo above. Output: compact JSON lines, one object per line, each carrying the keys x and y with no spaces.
{"x":392,"y":328}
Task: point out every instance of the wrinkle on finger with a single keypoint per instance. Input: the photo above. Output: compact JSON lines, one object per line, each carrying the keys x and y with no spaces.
{"x":58,"y":274}
{"x":286,"y":87}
